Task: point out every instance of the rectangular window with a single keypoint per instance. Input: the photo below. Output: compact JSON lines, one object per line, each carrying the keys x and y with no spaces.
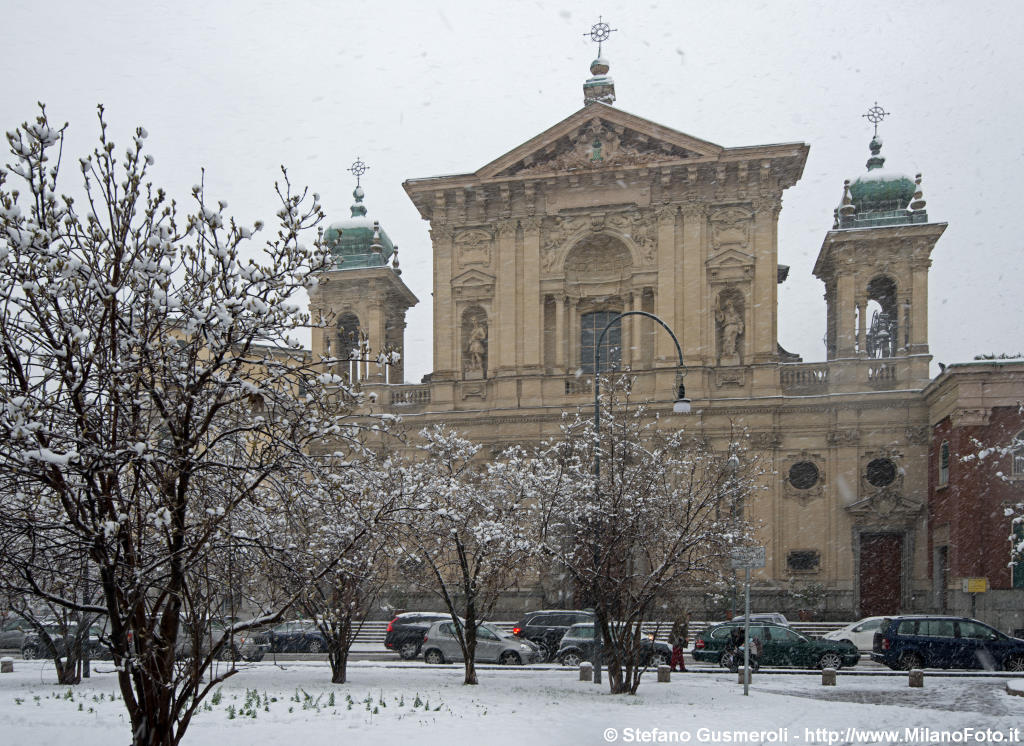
{"x":944,"y":464}
{"x":591,"y":326}
{"x":804,"y":560}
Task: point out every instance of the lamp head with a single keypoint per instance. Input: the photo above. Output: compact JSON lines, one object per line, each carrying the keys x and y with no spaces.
{"x":682,"y":404}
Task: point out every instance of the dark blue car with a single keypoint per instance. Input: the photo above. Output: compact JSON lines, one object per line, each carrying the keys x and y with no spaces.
{"x":906,"y":642}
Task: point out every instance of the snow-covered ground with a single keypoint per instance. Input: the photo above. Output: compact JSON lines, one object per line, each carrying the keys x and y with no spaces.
{"x":389,"y":704}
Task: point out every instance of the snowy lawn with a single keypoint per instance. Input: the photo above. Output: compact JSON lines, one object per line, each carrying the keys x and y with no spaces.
{"x":395,"y":704}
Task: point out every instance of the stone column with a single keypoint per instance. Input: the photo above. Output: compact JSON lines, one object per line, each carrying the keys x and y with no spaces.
{"x":559,"y":362}
{"x":845,"y":305}
{"x":691,"y":327}
{"x":919,"y":307}
{"x":763,"y":311}
{"x":532,"y":302}
{"x":862,"y":332}
{"x":668,"y":265}
{"x":627,"y":332}
{"x":377,"y":340}
{"x":503,"y":332}
{"x":446,"y":326}
{"x":572,"y":332}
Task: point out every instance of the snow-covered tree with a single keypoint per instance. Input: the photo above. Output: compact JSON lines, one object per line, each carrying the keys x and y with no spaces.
{"x":150,"y":384}
{"x":466,"y":533}
{"x":662,"y":516}
{"x":39,"y":562}
{"x":332,"y":538}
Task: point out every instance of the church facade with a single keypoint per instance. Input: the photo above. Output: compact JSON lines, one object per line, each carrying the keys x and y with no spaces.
{"x":606,"y":213}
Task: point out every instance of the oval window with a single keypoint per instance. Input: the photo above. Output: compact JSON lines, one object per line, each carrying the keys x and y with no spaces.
{"x":881,"y":472}
{"x":803,"y":475}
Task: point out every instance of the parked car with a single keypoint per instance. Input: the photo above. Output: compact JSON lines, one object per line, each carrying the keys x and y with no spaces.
{"x":545,"y":628}
{"x":773,"y":616}
{"x":780,"y":646}
{"x":62,"y":638}
{"x":860,"y":633}
{"x":13,"y":632}
{"x":302,"y":636}
{"x":248,"y":645}
{"x":577,"y":645}
{"x":906,"y":642}
{"x":405,"y":631}
{"x":440,"y":645}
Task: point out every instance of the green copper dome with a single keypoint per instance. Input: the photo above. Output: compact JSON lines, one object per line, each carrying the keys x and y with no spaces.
{"x":881,"y":186}
{"x":880,"y":197}
{"x":359,"y":241}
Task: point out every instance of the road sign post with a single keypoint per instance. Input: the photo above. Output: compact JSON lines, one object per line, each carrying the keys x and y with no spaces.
{"x":746,"y":558}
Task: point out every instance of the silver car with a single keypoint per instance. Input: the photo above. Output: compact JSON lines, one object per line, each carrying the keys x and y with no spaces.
{"x":440,"y":645}
{"x":860,"y":633}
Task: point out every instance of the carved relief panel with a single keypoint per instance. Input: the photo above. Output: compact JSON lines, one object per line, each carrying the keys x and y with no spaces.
{"x":473,"y":247}
{"x":730,"y":229}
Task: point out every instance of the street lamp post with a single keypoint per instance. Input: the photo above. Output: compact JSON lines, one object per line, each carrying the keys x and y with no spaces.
{"x":681,"y":406}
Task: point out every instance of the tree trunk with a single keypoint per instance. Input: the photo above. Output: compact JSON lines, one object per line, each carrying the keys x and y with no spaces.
{"x":470,"y":671}
{"x":339,"y":666}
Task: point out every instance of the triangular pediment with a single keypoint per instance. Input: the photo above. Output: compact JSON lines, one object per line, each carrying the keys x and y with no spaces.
{"x":731,"y":258}
{"x":472,"y":278}
{"x":595,"y":137}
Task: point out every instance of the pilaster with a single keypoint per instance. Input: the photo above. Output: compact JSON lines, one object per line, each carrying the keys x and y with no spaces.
{"x":668,"y":264}
{"x":689,"y":327}
{"x":532,"y":303}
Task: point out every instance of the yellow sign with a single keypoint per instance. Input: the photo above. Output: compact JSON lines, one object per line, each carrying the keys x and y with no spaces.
{"x":975,"y":585}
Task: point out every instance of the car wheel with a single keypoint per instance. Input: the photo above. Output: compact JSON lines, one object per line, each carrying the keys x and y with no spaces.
{"x":726,"y":661}
{"x":1014,"y":664}
{"x":510,"y":658}
{"x":911,"y":660}
{"x":29,"y":652}
{"x":315,"y":646}
{"x":572,"y":660}
{"x":408,"y":650}
{"x":433,"y":656}
{"x":228,"y":653}
{"x":831,"y":660}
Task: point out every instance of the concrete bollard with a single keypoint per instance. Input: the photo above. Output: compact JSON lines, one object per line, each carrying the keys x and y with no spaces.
{"x":6,"y":665}
{"x":586,"y":671}
{"x":916,"y":677}
{"x":664,"y":674}
{"x":740,"y":675}
{"x":828,"y":677}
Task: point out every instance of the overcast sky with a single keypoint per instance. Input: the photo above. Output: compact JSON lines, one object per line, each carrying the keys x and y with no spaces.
{"x":418,"y":89}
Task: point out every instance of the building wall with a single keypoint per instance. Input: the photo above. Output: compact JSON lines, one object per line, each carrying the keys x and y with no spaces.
{"x":687,"y":230}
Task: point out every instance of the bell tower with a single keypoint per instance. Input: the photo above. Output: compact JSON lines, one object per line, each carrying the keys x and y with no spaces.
{"x":874,"y":263}
{"x":362,"y":298}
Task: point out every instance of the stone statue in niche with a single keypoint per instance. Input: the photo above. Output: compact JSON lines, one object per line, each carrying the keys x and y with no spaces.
{"x":730,"y":327}
{"x":476,"y":350}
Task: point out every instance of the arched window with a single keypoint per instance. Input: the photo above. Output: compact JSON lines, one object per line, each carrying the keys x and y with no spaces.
{"x":944,"y":463}
{"x":349,"y":347}
{"x":591,"y":326}
{"x":882,"y":331}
